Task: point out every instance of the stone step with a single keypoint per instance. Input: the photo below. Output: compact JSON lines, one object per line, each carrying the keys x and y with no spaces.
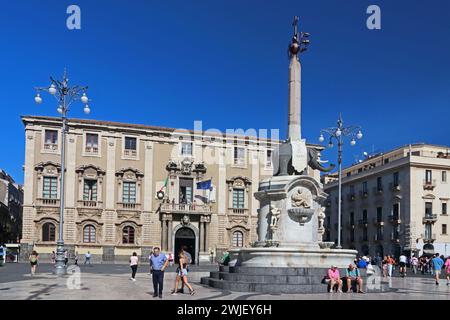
{"x":279,"y":271}
{"x":263,"y":287}
{"x":268,"y":279}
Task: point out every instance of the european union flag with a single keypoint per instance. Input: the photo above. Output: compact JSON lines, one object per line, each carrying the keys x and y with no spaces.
{"x":204,"y":185}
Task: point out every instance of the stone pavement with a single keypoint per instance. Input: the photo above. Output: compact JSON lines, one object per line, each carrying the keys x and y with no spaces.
{"x":111,"y":282}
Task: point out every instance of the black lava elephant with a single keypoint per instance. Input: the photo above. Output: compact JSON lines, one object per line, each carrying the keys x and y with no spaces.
{"x":282,"y":161}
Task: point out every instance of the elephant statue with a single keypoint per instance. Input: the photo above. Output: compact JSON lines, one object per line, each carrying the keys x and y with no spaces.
{"x":282,"y":161}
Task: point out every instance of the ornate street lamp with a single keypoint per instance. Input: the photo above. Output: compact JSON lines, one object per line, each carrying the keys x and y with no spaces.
{"x":64,"y":96}
{"x":338,"y":133}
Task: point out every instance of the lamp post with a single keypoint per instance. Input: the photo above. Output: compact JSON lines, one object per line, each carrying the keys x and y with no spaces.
{"x":65,"y":96}
{"x":338,"y":133}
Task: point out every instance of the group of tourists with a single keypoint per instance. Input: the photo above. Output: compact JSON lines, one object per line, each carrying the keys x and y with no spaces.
{"x":352,"y":279}
{"x":158,"y":263}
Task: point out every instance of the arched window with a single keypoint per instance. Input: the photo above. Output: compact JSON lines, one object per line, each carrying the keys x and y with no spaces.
{"x":238,"y":239}
{"x":128,"y":235}
{"x":48,"y":232}
{"x":89,"y":234}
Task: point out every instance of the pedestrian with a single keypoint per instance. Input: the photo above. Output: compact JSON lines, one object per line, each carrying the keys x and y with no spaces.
{"x":34,"y":258}
{"x":182,"y":274}
{"x":189,"y":261}
{"x":414,"y":263}
{"x":390,"y":265}
{"x":384,"y":265}
{"x":134,"y":265}
{"x":66,"y":257}
{"x":76,"y":258}
{"x":437,"y":264}
{"x":158,"y":263}
{"x":447,"y":270}
{"x":53,"y":257}
{"x":87,"y":258}
{"x":402,"y":262}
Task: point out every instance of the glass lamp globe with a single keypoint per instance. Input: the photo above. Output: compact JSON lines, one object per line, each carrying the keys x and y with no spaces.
{"x":321,"y":138}
{"x":60,"y":110}
{"x":359,"y":135}
{"x":353,"y":142}
{"x":38,"y":99}
{"x":52,"y":89}
{"x":84,"y":98}
{"x":338,"y":133}
{"x":330,"y":145}
{"x":86,"y":109}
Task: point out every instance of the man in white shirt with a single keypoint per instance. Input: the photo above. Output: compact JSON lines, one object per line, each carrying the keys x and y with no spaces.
{"x":403,"y":260}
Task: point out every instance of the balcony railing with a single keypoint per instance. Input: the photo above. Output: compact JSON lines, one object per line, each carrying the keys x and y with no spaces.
{"x":395,"y":186}
{"x":130,"y":153}
{"x":237,"y":211}
{"x":239,"y":161}
{"x":429,"y":184}
{"x":93,"y":150}
{"x":184,"y":207}
{"x":51,"y":146}
{"x":88,"y":204}
{"x":394,"y":219}
{"x":428,"y":237}
{"x":46,"y":202}
{"x":430,"y":218}
{"x":129,"y":206}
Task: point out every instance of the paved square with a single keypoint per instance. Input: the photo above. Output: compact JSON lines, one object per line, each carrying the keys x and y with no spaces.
{"x":111,"y":281}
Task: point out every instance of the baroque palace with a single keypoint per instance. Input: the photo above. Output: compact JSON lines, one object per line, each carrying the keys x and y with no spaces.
{"x":113,"y":177}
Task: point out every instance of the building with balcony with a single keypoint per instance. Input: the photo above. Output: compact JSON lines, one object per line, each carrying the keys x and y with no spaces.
{"x":114,"y":173}
{"x":11,"y":201}
{"x":403,"y":193}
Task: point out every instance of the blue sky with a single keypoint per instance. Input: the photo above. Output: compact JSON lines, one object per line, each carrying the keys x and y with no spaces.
{"x":224,"y":62}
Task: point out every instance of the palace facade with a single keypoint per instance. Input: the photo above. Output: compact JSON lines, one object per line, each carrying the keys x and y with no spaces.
{"x":114,"y":172}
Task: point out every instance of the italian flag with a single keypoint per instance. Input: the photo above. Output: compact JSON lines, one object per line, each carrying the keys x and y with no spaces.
{"x":165,"y":184}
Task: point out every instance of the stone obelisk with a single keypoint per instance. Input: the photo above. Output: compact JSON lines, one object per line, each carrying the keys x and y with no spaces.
{"x":294,"y":115}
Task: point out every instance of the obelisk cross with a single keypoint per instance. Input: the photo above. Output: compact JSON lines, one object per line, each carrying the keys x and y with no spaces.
{"x":295,"y":25}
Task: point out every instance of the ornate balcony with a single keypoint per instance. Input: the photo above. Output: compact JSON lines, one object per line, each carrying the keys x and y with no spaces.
{"x":427,"y":238}
{"x":429,"y":218}
{"x":128,"y":206}
{"x":51,"y":146}
{"x":130,"y":153}
{"x":237,"y":211}
{"x":429,"y":184}
{"x":186,"y":208}
{"x":46,"y":202}
{"x":88,"y":204}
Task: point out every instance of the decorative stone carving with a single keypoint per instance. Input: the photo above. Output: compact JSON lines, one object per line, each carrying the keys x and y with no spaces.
{"x":321,"y":217}
{"x":302,"y":198}
{"x":186,"y":166}
{"x":274,"y":217}
{"x":185,"y":221}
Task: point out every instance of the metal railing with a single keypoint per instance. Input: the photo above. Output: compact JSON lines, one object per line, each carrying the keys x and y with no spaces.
{"x":185,"y":207}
